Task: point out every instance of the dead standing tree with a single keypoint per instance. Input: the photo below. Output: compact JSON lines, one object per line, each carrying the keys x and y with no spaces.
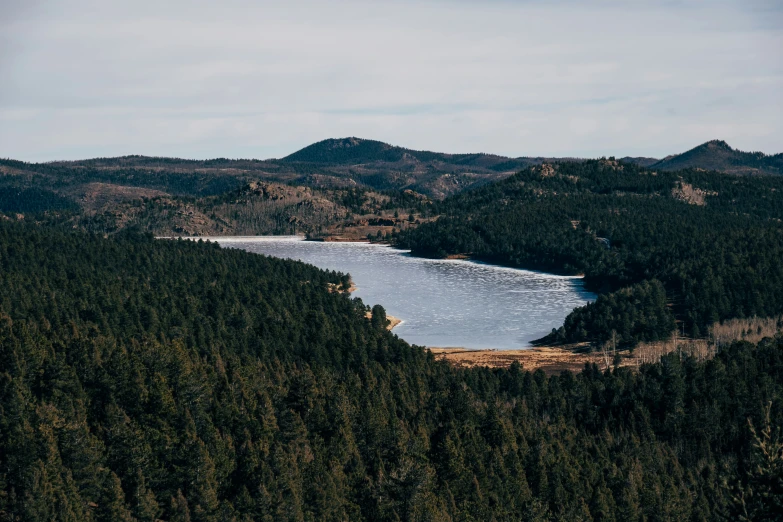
{"x":609,"y":350}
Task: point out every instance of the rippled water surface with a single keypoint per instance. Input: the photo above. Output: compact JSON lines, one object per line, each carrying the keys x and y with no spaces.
{"x":441,"y":302}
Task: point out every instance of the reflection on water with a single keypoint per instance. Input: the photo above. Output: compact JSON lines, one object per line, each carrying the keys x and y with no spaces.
{"x":441,"y":302}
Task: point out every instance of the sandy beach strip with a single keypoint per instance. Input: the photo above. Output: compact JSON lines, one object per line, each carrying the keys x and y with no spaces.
{"x":393,"y":321}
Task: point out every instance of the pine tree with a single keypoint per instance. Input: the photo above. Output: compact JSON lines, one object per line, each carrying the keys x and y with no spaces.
{"x":111,"y":505}
{"x":762,"y":497}
{"x":145,"y":506}
{"x":179,"y":508}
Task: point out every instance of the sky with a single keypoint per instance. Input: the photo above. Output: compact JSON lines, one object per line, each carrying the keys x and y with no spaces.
{"x":258,"y":79}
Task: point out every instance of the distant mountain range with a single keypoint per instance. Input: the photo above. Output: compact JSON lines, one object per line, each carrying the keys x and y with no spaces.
{"x":336,"y":164}
{"x":308,"y":191}
{"x":712,"y":155}
{"x":343,"y":163}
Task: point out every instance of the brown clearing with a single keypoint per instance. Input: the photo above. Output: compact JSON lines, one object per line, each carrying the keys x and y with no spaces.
{"x":551,"y":360}
{"x":97,"y":196}
{"x":693,"y":196}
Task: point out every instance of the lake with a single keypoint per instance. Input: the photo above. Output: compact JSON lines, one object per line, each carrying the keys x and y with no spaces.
{"x":441,"y":302}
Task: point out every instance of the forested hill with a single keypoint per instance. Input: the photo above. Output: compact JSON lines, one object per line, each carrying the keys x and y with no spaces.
{"x":172,"y":380}
{"x":691,"y":245}
{"x":348,"y":163}
{"x":361,"y":151}
{"x":329,"y":165}
{"x":718,"y":155}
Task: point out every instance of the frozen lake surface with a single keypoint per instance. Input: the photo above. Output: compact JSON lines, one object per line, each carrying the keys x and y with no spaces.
{"x":441,"y":302}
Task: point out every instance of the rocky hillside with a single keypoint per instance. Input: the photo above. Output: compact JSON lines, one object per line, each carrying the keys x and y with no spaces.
{"x":256,"y":208}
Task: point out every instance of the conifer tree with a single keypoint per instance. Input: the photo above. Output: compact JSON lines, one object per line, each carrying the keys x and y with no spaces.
{"x":111,"y":504}
{"x":179,"y":508}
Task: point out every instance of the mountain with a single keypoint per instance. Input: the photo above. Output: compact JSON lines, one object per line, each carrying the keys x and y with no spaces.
{"x":348,"y":150}
{"x":383,"y":166}
{"x":719,"y":155}
{"x":360,"y":151}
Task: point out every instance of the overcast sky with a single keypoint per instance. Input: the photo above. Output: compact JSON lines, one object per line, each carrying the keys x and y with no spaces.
{"x":256,"y":79}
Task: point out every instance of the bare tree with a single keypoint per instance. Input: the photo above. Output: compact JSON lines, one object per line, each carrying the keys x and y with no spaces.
{"x":609,"y":350}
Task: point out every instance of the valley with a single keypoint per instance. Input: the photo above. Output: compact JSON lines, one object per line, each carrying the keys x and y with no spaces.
{"x":549,"y":290}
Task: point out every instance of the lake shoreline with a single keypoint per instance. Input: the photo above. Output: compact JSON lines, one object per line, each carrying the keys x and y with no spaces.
{"x":460,"y":256}
{"x":445,"y":302}
{"x":393,"y":321}
{"x":452,"y":257}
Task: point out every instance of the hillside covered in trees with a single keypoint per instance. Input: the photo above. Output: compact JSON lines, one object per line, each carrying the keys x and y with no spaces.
{"x":257,"y":208}
{"x":330,"y":164}
{"x":307,"y":193}
{"x":144,"y":379}
{"x":148,"y":191}
{"x":719,"y":155}
{"x":183,"y":202}
{"x":692,"y":246}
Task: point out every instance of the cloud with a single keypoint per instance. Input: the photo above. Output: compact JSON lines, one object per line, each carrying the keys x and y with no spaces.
{"x":242,"y":78}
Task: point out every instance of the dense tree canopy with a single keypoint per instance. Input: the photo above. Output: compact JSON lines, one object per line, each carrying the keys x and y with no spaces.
{"x":144,"y":379}
{"x":32,"y":201}
{"x":155,"y":174}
